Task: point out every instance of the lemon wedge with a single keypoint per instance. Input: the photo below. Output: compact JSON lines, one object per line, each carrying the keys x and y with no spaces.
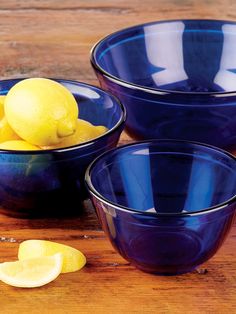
{"x":41,"y":111}
{"x":33,"y":272}
{"x":73,"y":259}
{"x":18,"y":145}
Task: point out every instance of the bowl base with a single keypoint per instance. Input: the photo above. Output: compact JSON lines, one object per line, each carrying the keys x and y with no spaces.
{"x":165,"y":273}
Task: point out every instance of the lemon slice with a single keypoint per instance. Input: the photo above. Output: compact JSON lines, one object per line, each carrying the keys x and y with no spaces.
{"x":31,"y":273}
{"x":73,"y":259}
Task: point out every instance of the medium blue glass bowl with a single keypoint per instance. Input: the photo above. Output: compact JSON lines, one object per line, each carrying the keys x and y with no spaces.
{"x":166,"y":206}
{"x":51,"y":182}
{"x":177,"y":79}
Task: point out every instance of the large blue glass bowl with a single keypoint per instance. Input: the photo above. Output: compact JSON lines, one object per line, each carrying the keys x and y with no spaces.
{"x":166,"y":206}
{"x":51,"y":182}
{"x":177,"y":79}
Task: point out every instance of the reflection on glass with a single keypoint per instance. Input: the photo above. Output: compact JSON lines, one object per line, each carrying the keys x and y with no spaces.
{"x":226,"y":76}
{"x":88,"y":92}
{"x":166,"y":51}
{"x":137,"y":184}
{"x":201,"y":186}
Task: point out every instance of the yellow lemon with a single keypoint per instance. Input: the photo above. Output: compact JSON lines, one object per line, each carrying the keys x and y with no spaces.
{"x":2,"y":99}
{"x":85,"y":131}
{"x":41,"y":111}
{"x":18,"y":145}
{"x":101,"y":129}
{"x":6,"y":132}
{"x":31,"y":273}
{"x":73,"y":259}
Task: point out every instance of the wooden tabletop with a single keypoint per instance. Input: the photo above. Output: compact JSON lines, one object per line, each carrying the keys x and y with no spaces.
{"x":52,"y":38}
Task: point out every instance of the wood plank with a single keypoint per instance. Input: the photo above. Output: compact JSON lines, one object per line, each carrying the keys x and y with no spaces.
{"x":110,"y":285}
{"x":46,"y":37}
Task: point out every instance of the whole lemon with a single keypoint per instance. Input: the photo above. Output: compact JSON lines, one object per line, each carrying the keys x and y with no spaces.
{"x":85,"y":131}
{"x":2,"y":99}
{"x":18,"y":145}
{"x":41,"y":111}
{"x":6,"y":132}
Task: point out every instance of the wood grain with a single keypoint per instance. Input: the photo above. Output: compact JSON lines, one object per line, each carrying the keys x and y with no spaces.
{"x":53,"y":38}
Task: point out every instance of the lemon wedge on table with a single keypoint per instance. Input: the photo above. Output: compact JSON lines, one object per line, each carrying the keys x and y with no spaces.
{"x":41,"y":111}
{"x":33,"y":272}
{"x":73,"y":259}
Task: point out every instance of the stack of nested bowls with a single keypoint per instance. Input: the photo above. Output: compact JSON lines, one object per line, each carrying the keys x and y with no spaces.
{"x":167,"y":205}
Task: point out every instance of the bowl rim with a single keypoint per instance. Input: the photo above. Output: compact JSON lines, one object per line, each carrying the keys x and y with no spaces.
{"x":119,"y":123}
{"x":92,"y":190}
{"x":150,"y":90}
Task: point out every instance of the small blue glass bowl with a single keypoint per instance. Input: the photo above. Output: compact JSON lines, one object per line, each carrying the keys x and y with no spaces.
{"x":177,"y":79}
{"x":51,"y":182}
{"x":166,"y":206}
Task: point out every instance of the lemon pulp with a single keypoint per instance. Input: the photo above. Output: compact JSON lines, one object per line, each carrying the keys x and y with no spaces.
{"x":31,"y":273}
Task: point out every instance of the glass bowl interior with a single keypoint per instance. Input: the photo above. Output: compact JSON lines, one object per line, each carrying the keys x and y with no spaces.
{"x":172,"y":177}
{"x":191,"y":56}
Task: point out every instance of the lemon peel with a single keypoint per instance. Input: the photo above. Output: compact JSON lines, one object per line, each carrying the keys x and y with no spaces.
{"x":2,"y":99}
{"x":85,"y":131}
{"x":6,"y":132}
{"x":73,"y":259}
{"x":18,"y":145}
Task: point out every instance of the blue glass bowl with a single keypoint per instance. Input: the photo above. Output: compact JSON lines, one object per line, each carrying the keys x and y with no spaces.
{"x":166,"y":206}
{"x":177,"y":79}
{"x":51,"y":182}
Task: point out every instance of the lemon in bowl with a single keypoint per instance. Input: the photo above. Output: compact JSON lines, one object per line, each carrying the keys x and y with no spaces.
{"x":50,"y":180}
{"x":41,"y":111}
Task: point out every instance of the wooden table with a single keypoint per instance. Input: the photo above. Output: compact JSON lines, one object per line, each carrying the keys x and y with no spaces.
{"x":53,"y":38}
